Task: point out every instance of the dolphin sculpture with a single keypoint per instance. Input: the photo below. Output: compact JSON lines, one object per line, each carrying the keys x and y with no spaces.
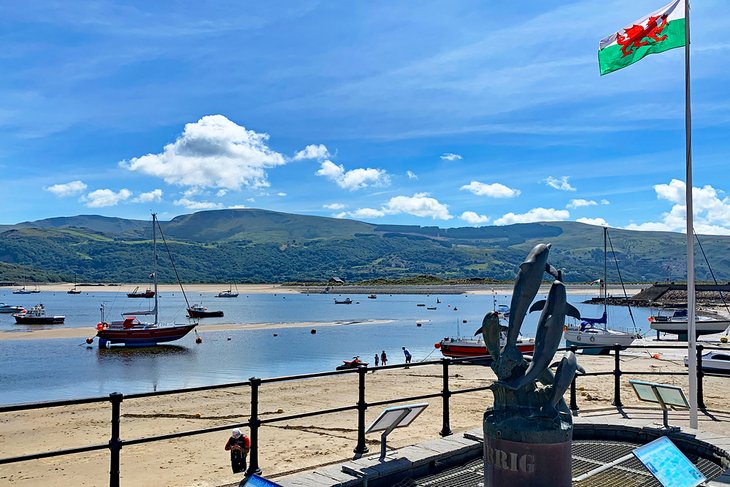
{"x":567,"y":367}
{"x":547,"y":338}
{"x":570,"y":310}
{"x":490,"y":330}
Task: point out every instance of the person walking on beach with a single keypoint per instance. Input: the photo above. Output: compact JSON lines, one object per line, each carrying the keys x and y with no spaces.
{"x":239,"y":445}
{"x":407,"y":353}
{"x":376,"y":360}
{"x":383,"y":358}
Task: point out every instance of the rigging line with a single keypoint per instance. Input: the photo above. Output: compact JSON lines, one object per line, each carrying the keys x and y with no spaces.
{"x":711,"y":272}
{"x":626,"y":296}
{"x":174,"y":268}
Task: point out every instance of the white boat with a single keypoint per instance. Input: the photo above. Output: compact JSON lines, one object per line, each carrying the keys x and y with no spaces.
{"x":600,"y":338}
{"x":675,"y":322}
{"x":6,"y":308}
{"x":229,"y":293}
{"x":715,"y":361}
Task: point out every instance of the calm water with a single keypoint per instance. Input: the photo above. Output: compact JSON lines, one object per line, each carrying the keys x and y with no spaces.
{"x":36,"y":370}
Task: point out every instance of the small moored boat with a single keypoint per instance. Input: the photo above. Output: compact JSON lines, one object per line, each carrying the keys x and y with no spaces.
{"x":37,"y":316}
{"x":344,"y":301}
{"x":676,"y":323}
{"x":147,"y":293}
{"x":456,"y":347}
{"x":6,"y":308}
{"x":717,"y":361}
{"x":200,"y":311}
{"x":230,"y":293}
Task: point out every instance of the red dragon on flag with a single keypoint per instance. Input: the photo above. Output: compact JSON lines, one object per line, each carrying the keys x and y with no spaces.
{"x":637,"y":35}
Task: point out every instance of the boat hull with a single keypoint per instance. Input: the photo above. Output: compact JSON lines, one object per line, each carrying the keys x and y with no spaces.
{"x":147,"y":336}
{"x":702,"y":327}
{"x":147,"y":295}
{"x":455,"y":348}
{"x":597,"y":343}
{"x":39,"y":320}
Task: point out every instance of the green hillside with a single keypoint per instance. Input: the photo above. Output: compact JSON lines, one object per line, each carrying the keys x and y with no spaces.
{"x":251,"y":245}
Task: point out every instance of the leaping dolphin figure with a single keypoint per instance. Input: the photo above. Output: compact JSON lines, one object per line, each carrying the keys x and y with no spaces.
{"x":490,"y":331}
{"x":547,"y":338}
{"x":527,"y":284}
{"x":567,"y":367}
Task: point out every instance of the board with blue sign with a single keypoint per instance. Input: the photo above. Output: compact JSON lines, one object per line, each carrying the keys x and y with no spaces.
{"x":669,"y":465}
{"x":256,"y":481}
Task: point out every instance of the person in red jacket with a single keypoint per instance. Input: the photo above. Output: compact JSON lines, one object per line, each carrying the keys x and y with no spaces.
{"x":239,"y":445}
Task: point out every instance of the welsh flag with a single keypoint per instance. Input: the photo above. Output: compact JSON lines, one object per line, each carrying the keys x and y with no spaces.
{"x":657,"y":32}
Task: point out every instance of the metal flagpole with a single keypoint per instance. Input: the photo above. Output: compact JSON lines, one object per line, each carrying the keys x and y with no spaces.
{"x":691,"y":334}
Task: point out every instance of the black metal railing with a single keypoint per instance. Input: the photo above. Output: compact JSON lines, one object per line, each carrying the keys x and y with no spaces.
{"x":116,"y":443}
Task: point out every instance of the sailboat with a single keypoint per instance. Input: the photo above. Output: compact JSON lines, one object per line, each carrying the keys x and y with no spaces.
{"x":600,"y":338}
{"x":74,"y":290}
{"x":229,"y":293}
{"x":132,"y":332}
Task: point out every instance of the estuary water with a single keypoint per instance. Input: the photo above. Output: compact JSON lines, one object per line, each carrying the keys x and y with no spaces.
{"x":49,"y":369}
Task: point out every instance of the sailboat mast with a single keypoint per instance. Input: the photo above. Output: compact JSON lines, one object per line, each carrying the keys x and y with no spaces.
{"x":605,"y":277}
{"x":154,"y":260}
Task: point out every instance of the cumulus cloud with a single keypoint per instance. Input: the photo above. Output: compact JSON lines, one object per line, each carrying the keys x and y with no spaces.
{"x":153,"y":196}
{"x":420,"y":204}
{"x":354,"y":179}
{"x":604,"y":201}
{"x":534,"y":215}
{"x":334,"y":206}
{"x":711,"y":210}
{"x":559,"y":183}
{"x":367,"y":213}
{"x":313,"y":151}
{"x":448,"y":156}
{"x":411,"y":175}
{"x":197,"y":205}
{"x":213,"y":152}
{"x":221,"y":193}
{"x":67,"y":189}
{"x":578,"y":203}
{"x":281,"y":193}
{"x":474,"y":218}
{"x":101,"y":198}
{"x":494,"y":190}
{"x":237,"y":207}
{"x":593,"y":221}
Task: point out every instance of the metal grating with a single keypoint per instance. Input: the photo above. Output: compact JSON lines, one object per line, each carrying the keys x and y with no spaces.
{"x":587,"y":455}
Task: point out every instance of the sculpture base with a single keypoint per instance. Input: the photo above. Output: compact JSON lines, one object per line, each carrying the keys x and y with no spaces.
{"x":511,"y":463}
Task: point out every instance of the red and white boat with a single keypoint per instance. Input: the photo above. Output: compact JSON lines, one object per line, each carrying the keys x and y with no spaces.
{"x":131,"y":332}
{"x":457,"y":347}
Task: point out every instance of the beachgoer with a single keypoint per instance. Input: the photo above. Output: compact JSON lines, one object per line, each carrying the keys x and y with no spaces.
{"x":407,"y":353}
{"x":383,"y":358}
{"x":376,"y":359}
{"x":239,"y":445}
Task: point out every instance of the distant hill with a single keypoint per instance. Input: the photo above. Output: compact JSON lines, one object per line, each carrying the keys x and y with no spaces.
{"x":250,"y":245}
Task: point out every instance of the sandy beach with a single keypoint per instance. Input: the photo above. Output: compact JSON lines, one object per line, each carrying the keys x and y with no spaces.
{"x":284,"y":447}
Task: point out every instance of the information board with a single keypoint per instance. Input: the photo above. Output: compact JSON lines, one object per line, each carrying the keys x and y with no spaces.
{"x":669,"y":465}
{"x":256,"y":481}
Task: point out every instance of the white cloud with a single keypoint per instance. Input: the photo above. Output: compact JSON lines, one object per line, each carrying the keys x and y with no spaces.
{"x":334,"y":206}
{"x":420,"y":204}
{"x":593,"y":221}
{"x":448,"y":156}
{"x":221,"y":193}
{"x":411,"y":175}
{"x":605,"y":202}
{"x":367,"y":213}
{"x":711,"y":211}
{"x":559,"y":183}
{"x":312,"y":151}
{"x":151,"y":196}
{"x":101,"y":198}
{"x":494,"y":190}
{"x":281,"y":193}
{"x":213,"y":152}
{"x":534,"y":215}
{"x":474,"y":218}
{"x":67,"y":189}
{"x":578,"y":203}
{"x":237,"y":207}
{"x":354,"y":179}
{"x":197,"y":205}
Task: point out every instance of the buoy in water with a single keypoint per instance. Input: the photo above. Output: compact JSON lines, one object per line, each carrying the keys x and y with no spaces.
{"x":463,"y":321}
{"x":89,"y":340}
{"x":198,"y":340}
{"x":437,"y":345}
{"x":229,"y":339}
{"x":276,"y":334}
{"x":418,"y":324}
{"x":313,"y":331}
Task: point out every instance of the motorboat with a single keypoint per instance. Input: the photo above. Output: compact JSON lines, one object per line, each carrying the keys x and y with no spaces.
{"x":675,"y":322}
{"x":351,"y":364}
{"x":344,"y":301}
{"x":372,"y":296}
{"x":716,"y":361}
{"x":6,"y":308}
{"x":22,"y":290}
{"x":37,"y":316}
{"x":147,"y":293}
{"x":200,"y":311}
{"x":457,"y":347}
{"x":131,"y":332}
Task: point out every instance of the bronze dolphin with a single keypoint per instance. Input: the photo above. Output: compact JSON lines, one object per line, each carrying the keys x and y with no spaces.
{"x":490,"y":330}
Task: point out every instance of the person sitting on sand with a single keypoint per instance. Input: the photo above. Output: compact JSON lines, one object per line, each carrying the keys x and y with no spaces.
{"x":239,"y":445}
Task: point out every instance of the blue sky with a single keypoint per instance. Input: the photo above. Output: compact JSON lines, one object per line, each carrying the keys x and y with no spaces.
{"x":453,"y":113}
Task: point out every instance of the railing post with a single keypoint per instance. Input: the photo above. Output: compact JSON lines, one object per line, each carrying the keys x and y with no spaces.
{"x":446,"y":394}
{"x":361,"y":447}
{"x":115,"y":443}
{"x":254,"y":422}
{"x":617,"y":376}
{"x":573,"y":399}
{"x":700,"y":375}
